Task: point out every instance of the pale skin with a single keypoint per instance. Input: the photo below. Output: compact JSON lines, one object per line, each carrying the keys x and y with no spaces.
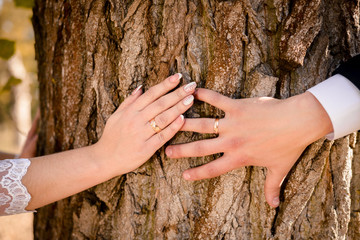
{"x":255,"y":132}
{"x":127,"y":142}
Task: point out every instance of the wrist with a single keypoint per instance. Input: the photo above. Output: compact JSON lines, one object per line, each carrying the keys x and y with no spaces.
{"x":104,"y":160}
{"x":313,"y":122}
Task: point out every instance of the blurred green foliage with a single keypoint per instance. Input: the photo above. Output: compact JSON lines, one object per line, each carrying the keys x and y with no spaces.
{"x":7,"y":48}
{"x":24,"y":3}
{"x":15,"y":25}
{"x":10,"y":83}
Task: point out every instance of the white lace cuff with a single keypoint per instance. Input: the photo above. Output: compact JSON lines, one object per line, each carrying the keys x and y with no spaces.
{"x":14,"y":196}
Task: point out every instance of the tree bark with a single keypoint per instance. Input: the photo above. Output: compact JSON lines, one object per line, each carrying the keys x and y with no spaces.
{"x":92,"y":54}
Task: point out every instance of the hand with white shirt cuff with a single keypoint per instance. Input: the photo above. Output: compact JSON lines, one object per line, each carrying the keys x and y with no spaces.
{"x":341,"y":100}
{"x":269,"y":132}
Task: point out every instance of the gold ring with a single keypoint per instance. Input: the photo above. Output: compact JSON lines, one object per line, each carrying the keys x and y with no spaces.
{"x":216,"y":126}
{"x":154,"y":126}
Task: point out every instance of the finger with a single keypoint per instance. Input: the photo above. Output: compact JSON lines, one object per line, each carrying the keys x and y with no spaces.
{"x":194,"y":149}
{"x":169,"y":100}
{"x":272,"y":188}
{"x":33,"y":129}
{"x":214,"y":98}
{"x":212,"y":169}
{"x":167,"y":117}
{"x":37,"y":115}
{"x":130,"y":99}
{"x":201,"y":125}
{"x":159,"y":139}
{"x":29,"y":150}
{"x":157,"y":91}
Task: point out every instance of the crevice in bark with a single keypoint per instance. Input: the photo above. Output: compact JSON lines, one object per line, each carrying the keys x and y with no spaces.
{"x":94,"y":200}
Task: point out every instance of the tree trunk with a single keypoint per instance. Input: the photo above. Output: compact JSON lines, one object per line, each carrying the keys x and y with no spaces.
{"x":92,"y":54}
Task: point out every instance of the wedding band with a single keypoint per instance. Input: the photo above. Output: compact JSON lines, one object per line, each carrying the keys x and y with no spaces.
{"x":216,"y":126}
{"x":154,"y":126}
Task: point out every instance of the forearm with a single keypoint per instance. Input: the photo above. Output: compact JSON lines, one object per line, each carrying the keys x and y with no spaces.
{"x":6,"y":156}
{"x":57,"y":176}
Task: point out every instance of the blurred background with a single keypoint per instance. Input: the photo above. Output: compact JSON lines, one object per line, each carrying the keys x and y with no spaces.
{"x":18,"y":94}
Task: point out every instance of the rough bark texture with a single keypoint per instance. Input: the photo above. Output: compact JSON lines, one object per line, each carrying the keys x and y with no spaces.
{"x":92,"y":54}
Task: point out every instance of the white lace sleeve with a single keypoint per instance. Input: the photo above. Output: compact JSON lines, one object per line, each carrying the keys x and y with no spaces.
{"x":14,"y":196}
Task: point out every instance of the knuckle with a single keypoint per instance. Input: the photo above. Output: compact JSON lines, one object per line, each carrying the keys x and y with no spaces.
{"x":177,"y":151}
{"x":166,"y":84}
{"x":215,"y":97}
{"x":237,"y":110}
{"x":233,"y":144}
{"x":161,"y":103}
{"x":179,"y":93}
{"x":151,"y":93}
{"x":174,"y":128}
{"x":203,"y":125}
{"x":180,"y":108}
{"x":211,"y":171}
{"x":242,"y":160}
{"x":161,"y":137}
{"x":200,"y":148}
{"x":161,"y":121}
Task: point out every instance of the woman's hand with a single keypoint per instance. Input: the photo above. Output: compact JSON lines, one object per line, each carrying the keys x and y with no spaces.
{"x":129,"y":139}
{"x":127,"y":142}
{"x":258,"y":132}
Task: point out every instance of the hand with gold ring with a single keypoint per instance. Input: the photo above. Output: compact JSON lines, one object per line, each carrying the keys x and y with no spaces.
{"x":254,"y":132}
{"x":145,"y":122}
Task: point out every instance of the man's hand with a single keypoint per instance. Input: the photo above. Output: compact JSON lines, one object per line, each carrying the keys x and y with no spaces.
{"x":255,"y":132}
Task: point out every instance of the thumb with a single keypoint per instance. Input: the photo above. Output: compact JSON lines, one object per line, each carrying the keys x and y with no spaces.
{"x":29,"y":149}
{"x":272,"y":187}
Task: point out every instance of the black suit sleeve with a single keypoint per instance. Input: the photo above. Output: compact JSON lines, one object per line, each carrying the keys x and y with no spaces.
{"x":351,"y":70}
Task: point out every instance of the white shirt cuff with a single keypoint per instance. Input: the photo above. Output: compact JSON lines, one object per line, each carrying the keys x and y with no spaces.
{"x":341,"y":100}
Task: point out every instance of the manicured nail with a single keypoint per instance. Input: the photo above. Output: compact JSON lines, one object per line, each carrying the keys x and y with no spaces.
{"x":186,"y":176}
{"x":174,"y":78}
{"x":190,"y":87}
{"x":276,"y":201}
{"x":182,"y":117}
{"x":188,"y":100}
{"x":136,"y":90}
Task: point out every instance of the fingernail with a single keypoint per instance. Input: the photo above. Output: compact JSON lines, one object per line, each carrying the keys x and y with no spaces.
{"x":182,"y":117}
{"x":136,"y":90}
{"x":168,"y":151}
{"x":186,"y":176}
{"x":188,"y":100}
{"x":190,"y":87}
{"x":276,"y":201}
{"x":174,"y":78}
